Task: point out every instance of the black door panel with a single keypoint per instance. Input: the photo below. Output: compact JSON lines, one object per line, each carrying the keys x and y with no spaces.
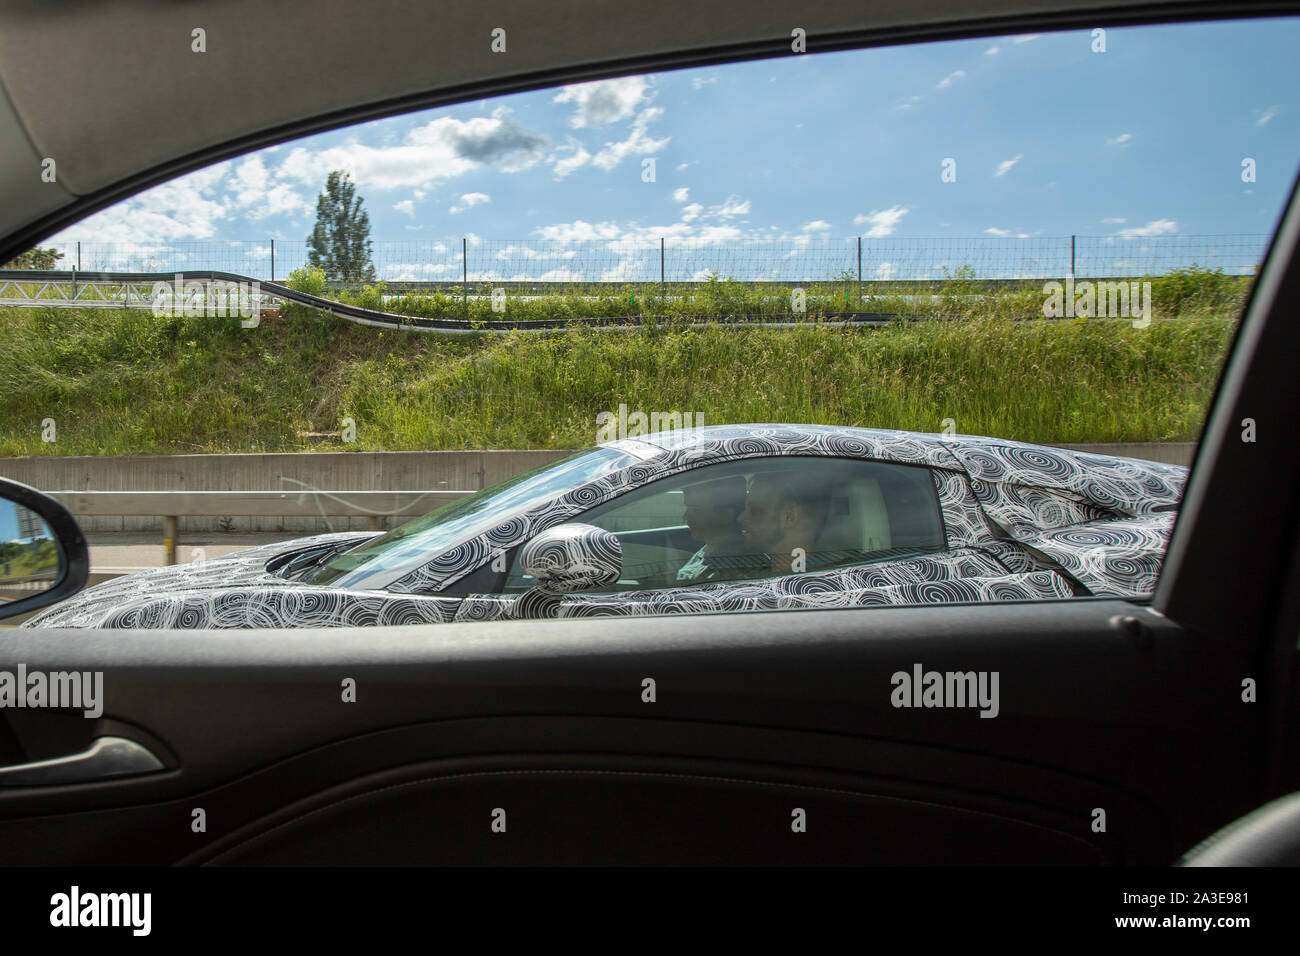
{"x":1090,"y":716}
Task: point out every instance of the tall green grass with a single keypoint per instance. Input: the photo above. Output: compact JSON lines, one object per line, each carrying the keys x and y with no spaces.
{"x":1183,"y":292}
{"x":131,"y":383}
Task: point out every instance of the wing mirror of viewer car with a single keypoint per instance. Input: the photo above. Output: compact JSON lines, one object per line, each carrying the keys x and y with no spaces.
{"x":567,"y":558}
{"x":43,"y":554}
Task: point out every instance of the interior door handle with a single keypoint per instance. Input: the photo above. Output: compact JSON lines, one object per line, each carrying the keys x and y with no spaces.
{"x":106,"y":757}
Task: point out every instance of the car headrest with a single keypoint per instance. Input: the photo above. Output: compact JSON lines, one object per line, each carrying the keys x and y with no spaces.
{"x":856,"y":519}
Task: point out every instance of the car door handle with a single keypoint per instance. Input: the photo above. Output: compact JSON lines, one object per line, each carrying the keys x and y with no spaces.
{"x":106,"y":757}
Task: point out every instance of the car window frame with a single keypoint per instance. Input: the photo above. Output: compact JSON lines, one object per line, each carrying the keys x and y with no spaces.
{"x":930,"y":484}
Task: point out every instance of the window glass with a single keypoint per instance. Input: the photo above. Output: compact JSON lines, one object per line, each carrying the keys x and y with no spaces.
{"x":381,"y":560}
{"x":1006,"y":262}
{"x":764,"y":518}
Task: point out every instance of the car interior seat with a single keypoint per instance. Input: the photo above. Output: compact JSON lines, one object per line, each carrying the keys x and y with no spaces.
{"x":856,"y":520}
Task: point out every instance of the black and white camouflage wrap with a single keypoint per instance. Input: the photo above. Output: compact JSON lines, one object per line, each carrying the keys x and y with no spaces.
{"x":236,"y":590}
{"x":1018,"y":587}
{"x":573,"y":557}
{"x":1022,"y":522}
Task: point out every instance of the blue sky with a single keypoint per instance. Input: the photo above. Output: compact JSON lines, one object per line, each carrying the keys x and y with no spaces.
{"x":1050,"y":138}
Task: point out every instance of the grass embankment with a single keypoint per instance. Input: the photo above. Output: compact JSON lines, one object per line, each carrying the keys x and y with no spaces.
{"x":120,"y":383}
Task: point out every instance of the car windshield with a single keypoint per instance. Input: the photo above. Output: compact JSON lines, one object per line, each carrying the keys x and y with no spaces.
{"x":382,"y":560}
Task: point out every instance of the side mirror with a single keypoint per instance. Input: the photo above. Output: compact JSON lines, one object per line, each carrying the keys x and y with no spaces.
{"x":572,"y":557}
{"x":43,"y":554}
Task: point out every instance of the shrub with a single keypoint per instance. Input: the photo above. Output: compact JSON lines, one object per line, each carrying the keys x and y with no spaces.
{"x":308,"y":279}
{"x":1194,"y":289}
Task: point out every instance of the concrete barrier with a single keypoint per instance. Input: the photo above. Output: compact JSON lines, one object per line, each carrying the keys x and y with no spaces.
{"x":422,"y":471}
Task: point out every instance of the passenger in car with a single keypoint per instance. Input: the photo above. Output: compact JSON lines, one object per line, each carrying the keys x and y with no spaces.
{"x":783,"y":518}
{"x":710,"y":513}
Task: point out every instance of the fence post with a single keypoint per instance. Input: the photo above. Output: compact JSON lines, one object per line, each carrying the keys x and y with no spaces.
{"x":464,"y":287}
{"x":272,"y":260}
{"x":1072,"y":257}
{"x":663,"y":286}
{"x":859,"y":272}
{"x":78,"y":255}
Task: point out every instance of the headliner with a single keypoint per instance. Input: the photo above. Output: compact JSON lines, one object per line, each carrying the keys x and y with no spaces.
{"x":113,"y":93}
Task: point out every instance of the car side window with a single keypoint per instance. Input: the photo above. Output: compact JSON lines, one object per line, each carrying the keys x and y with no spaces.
{"x":765,"y":517}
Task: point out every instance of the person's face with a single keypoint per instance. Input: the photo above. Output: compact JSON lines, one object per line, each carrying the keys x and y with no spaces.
{"x":762,"y":520}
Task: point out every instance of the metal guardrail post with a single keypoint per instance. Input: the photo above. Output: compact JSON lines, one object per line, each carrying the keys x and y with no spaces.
{"x":464,"y":288}
{"x":169,"y":539}
{"x":663,"y":288}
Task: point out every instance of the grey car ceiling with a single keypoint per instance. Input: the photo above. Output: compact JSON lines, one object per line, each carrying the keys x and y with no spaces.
{"x":113,"y":93}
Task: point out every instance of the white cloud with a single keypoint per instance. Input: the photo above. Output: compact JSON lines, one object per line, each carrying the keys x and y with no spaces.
{"x":886,"y":271}
{"x":469,"y":201}
{"x":691,"y":212}
{"x":993,"y":50}
{"x":1121,"y":140}
{"x":578,"y":230}
{"x":947,"y":80}
{"x":279,"y":200}
{"x":561,"y":275}
{"x":637,"y":142}
{"x":1025,"y":37}
{"x":604,"y":101}
{"x":252,"y":194}
{"x":698,"y":82}
{"x":1004,"y":167}
{"x":406,"y":207}
{"x":1112,"y":222}
{"x":576,"y":160}
{"x":817,"y":225}
{"x":882,"y":222}
{"x":412,"y":271}
{"x":995,"y":231}
{"x":681,"y":193}
{"x":441,"y":149}
{"x":682,"y":167}
{"x":250,"y":181}
{"x":1157,"y":227}
{"x":185,"y":208}
{"x":732,"y":207}
{"x":1268,"y":115}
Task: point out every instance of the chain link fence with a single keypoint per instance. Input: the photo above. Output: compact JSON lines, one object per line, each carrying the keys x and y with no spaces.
{"x":667,"y":260}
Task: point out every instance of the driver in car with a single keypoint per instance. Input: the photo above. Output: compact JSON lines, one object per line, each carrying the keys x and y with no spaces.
{"x":712,"y":508}
{"x":783,"y":518}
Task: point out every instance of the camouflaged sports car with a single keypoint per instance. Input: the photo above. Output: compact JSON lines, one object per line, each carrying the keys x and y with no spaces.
{"x":720,"y":518}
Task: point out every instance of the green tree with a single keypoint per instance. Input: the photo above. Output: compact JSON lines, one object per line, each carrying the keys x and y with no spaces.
{"x":340,"y":241}
{"x":36,"y":259}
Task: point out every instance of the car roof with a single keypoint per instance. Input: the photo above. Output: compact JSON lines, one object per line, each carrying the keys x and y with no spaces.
{"x":1129,"y":485}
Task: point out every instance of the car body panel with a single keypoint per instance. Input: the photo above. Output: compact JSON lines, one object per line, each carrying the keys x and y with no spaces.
{"x":1021,"y":522}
